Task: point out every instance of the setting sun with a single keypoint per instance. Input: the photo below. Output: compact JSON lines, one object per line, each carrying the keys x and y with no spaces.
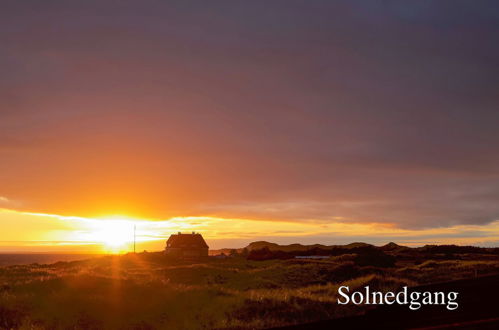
{"x":114,"y":234}
{"x":259,"y":165}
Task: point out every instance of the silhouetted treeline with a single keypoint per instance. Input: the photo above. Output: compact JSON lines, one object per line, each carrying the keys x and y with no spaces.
{"x":447,"y":249}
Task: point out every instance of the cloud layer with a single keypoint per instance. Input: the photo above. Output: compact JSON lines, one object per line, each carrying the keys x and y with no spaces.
{"x":323,"y":112}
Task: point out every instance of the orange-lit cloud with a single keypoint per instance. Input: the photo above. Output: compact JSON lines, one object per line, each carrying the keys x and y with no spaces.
{"x":337,"y":114}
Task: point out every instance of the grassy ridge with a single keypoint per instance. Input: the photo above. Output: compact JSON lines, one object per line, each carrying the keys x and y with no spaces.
{"x":147,"y":291}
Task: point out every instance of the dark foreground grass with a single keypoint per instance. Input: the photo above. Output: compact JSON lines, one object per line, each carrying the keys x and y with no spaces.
{"x":146,"y":291}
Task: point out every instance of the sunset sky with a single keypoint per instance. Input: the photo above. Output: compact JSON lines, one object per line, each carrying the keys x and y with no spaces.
{"x":289,"y":121}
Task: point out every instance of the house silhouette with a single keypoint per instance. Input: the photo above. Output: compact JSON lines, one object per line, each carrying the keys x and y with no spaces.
{"x":186,"y":245}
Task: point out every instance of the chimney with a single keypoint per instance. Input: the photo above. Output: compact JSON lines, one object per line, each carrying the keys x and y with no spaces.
{"x":179,"y":233}
{"x":193,"y":232}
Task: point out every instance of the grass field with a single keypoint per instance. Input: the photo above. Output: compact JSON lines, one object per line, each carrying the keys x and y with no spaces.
{"x":148,"y":291}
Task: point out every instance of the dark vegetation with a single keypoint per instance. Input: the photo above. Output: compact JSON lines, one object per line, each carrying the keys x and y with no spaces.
{"x":259,"y":287}
{"x":363,"y":255}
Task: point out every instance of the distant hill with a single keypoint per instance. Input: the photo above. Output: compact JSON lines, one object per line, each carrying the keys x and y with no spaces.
{"x":393,"y":247}
{"x":300,"y":247}
{"x":290,"y":247}
{"x":388,"y":248}
{"x":258,"y":245}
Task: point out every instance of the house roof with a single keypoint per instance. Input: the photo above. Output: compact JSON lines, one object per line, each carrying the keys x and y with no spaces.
{"x":186,"y":241}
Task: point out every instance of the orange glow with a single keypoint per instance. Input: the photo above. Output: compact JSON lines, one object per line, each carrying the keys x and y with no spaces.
{"x":114,"y":234}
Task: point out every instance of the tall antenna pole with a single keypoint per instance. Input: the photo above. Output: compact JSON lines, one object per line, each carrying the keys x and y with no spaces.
{"x":134,"y":229}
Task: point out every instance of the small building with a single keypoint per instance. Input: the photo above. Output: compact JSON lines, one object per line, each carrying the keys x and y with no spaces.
{"x":186,"y":245}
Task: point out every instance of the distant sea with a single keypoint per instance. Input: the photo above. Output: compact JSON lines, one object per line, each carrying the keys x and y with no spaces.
{"x":9,"y":259}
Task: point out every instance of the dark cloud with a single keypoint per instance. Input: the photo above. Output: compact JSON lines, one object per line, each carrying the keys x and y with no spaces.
{"x":373,"y":111}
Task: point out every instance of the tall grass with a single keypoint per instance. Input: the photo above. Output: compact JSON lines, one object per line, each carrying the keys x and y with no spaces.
{"x":150,"y":292}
